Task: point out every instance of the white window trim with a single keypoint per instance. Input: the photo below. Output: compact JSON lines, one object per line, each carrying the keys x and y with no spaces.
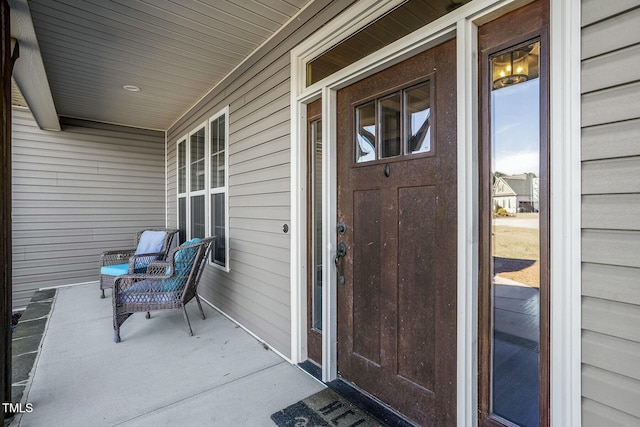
{"x":208,"y":190}
{"x":565,"y":189}
{"x":224,"y":112}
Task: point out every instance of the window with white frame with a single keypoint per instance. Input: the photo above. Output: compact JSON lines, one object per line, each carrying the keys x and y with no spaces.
{"x":218,"y":143}
{"x":202,"y":174}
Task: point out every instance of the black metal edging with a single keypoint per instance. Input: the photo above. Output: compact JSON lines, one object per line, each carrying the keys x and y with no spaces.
{"x":377,"y":410}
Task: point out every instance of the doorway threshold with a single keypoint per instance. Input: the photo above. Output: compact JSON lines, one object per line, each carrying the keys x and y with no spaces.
{"x":366,"y":403}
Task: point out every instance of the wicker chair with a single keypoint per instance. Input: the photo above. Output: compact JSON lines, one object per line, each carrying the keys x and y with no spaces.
{"x":123,"y":261}
{"x":167,"y":284}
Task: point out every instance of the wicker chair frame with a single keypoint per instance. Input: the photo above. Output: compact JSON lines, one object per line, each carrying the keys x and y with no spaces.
{"x":166,"y":285}
{"x":137,"y":263}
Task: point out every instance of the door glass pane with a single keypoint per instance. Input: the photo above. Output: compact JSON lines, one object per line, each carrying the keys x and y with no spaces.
{"x":316,"y":228}
{"x":515,"y":227}
{"x":366,"y":132}
{"x":197,"y":160}
{"x":219,"y":253}
{"x":418,"y":118}
{"x":197,"y":217}
{"x":390,"y":126}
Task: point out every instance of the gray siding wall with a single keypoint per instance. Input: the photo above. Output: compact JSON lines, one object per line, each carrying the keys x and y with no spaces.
{"x":77,"y":193}
{"x":256,"y":292}
{"x":610,"y":213}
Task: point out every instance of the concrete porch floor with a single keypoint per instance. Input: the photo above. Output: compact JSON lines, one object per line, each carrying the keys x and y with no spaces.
{"x":158,"y":375}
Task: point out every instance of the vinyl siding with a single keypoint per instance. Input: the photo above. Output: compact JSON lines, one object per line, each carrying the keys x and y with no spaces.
{"x":610,"y":205}
{"x":256,"y":291}
{"x":77,"y":193}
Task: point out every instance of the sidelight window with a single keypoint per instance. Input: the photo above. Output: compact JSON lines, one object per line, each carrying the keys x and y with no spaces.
{"x":314,"y":225}
{"x":315,"y":207}
{"x":516,"y":233}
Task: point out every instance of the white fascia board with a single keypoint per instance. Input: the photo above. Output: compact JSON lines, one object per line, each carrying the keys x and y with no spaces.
{"x":28,"y":71}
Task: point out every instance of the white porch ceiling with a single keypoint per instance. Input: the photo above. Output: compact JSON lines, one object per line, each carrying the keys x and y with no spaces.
{"x":175,"y":51}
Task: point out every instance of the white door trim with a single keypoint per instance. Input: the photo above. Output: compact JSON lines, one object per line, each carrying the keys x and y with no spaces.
{"x":565,"y":186}
{"x":468,"y":184}
{"x":566,"y":239}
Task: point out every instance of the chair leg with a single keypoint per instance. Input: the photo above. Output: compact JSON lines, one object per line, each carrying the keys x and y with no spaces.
{"x":200,"y":306}
{"x":102,"y":290}
{"x":186,"y":318}
{"x":116,"y":329}
{"x":118,"y":320}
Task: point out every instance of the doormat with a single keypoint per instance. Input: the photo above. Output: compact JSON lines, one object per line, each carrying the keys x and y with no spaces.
{"x":323,"y":409}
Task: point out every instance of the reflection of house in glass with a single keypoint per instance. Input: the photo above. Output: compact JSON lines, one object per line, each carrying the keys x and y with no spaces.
{"x":516,"y":193}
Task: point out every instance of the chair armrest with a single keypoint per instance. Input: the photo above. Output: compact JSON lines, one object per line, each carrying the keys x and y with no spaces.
{"x":119,"y":256}
{"x":160,"y":269}
{"x":141,"y":285}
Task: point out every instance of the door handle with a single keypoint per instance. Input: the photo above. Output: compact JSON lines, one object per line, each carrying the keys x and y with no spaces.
{"x":340,"y":253}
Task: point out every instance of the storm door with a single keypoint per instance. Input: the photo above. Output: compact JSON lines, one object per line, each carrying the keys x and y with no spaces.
{"x":397,"y":216}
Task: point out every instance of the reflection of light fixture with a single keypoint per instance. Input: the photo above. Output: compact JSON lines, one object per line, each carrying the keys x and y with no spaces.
{"x":511,"y":68}
{"x":131,"y":88}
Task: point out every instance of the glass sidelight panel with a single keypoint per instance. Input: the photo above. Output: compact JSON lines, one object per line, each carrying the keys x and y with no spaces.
{"x":418,"y":118}
{"x":515,"y":235}
{"x":316,"y":226}
{"x":366,"y":132}
{"x":390,"y":126}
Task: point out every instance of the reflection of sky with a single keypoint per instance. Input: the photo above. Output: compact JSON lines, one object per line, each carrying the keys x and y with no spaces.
{"x":418,"y":118}
{"x":516,"y":128}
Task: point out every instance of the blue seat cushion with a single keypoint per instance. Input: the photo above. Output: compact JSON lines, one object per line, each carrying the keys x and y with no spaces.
{"x":115,"y":270}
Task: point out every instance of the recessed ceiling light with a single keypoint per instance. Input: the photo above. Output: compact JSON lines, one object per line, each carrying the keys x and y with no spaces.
{"x":131,"y":88}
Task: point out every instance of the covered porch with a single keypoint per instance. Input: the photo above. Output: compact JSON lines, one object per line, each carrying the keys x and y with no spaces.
{"x":157,"y":375}
{"x":193,"y":115}
{"x":91,"y":134}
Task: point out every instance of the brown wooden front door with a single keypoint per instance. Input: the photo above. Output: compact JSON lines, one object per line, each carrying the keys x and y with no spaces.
{"x":397,"y":197}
